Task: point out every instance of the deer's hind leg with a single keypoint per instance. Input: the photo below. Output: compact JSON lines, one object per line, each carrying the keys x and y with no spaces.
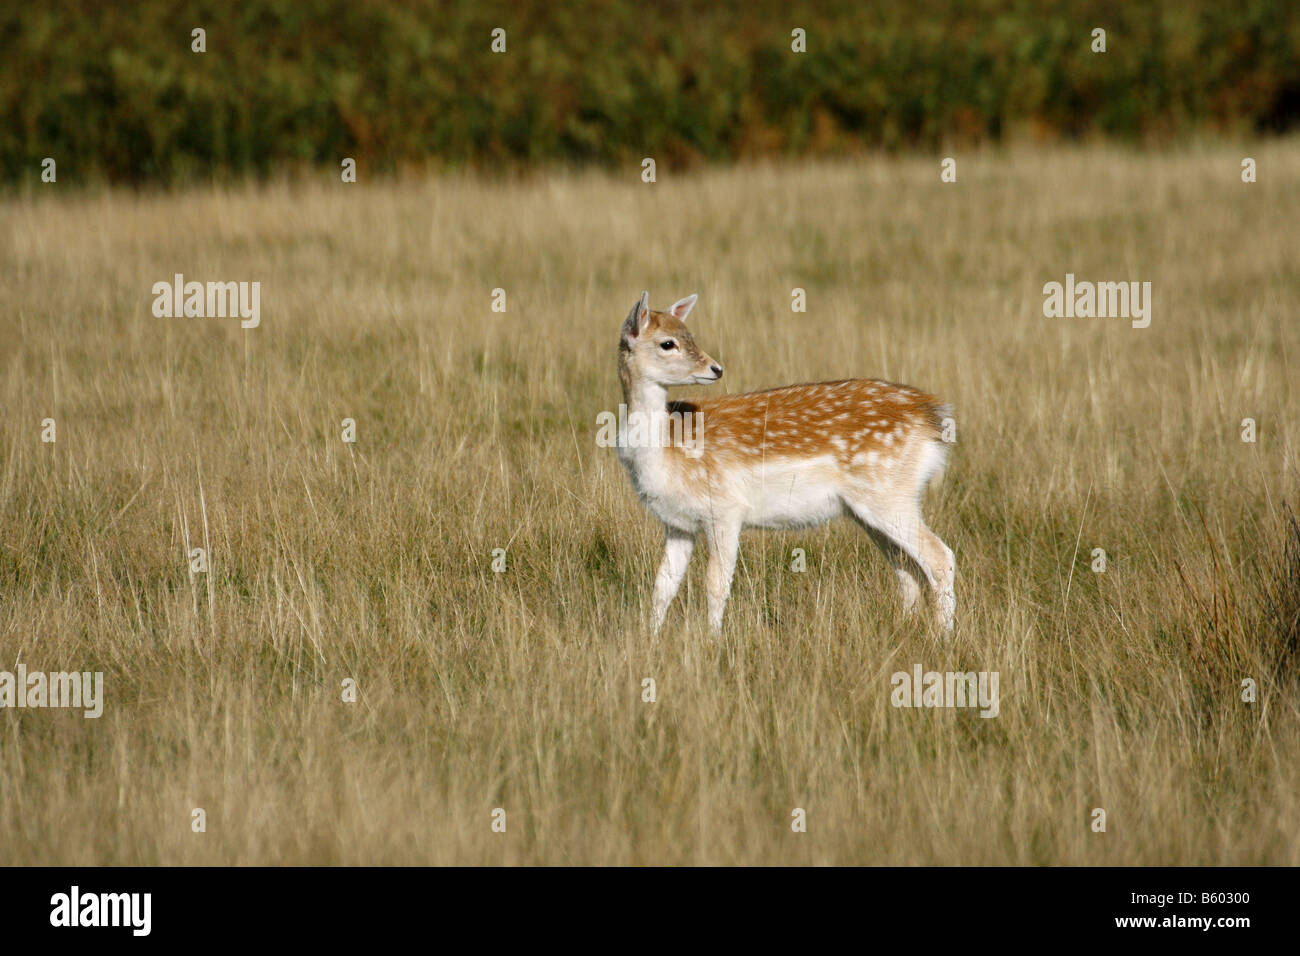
{"x":943,"y":570}
{"x":910,"y":577}
{"x":919,"y":557}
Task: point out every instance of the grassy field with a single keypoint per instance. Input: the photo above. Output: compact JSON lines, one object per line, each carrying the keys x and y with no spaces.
{"x":476,"y":430}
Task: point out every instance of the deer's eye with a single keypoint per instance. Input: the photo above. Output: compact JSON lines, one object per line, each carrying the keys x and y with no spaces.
{"x":668,"y":345}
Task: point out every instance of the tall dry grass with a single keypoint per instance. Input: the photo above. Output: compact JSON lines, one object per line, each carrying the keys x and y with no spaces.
{"x":476,"y":431}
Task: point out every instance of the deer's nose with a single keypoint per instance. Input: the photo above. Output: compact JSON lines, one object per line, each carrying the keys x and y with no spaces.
{"x":716,"y":370}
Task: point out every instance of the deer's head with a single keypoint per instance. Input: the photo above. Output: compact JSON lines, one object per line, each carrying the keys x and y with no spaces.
{"x":657,"y":347}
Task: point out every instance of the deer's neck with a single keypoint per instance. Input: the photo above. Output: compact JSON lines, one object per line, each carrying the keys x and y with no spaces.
{"x":644,"y":434}
{"x":646,"y":398}
{"x":639,"y":394}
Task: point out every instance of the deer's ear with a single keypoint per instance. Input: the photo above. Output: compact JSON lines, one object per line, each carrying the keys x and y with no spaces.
{"x":638,"y":318}
{"x":682,"y":308}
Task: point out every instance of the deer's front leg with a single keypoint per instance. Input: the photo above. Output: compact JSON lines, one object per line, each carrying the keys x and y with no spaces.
{"x":677,"y":555}
{"x":724,"y":541}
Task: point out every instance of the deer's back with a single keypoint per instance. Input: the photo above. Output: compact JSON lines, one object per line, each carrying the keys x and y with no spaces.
{"x":846,"y":419}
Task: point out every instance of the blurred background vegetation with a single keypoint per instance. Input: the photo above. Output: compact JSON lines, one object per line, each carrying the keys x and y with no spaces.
{"x":112,"y":90}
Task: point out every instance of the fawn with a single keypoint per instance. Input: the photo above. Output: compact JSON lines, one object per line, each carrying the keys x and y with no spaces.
{"x":782,"y":458}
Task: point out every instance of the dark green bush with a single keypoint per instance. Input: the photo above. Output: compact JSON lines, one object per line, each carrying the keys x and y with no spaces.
{"x":111,"y":89}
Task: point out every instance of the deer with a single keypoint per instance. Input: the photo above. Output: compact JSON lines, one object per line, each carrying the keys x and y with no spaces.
{"x":791,"y":457}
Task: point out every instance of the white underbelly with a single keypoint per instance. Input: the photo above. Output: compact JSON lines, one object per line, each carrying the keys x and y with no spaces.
{"x":793,"y":495}
{"x":767,"y":494}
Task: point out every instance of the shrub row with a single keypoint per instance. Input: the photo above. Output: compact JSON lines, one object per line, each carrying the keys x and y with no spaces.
{"x":112,"y":89}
